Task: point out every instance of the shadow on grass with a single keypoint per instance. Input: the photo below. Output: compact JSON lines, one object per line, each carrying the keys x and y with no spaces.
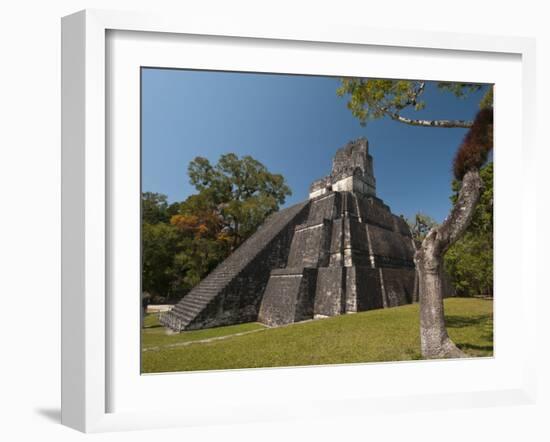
{"x":148,"y":327}
{"x":467,"y":321}
{"x":482,"y":323}
{"x":484,"y":348}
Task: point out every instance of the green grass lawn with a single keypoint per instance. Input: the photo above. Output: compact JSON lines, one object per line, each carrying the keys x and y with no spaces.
{"x":377,"y":335}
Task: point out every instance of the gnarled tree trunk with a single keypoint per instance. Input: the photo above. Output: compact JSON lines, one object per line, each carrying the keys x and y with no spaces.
{"x":435,"y":342}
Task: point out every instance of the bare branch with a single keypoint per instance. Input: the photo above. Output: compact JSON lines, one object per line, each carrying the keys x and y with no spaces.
{"x":429,"y":123}
{"x":419,"y":91}
{"x":425,"y":123}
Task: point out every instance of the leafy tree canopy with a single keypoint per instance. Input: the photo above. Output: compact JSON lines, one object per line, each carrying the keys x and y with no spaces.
{"x":160,"y":243}
{"x":372,"y":98}
{"x":183,"y":242}
{"x":155,"y":208}
{"x":234,"y":178}
{"x":239,"y":192}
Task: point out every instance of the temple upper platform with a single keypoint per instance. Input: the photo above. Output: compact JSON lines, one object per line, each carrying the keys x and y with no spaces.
{"x":352,"y":171}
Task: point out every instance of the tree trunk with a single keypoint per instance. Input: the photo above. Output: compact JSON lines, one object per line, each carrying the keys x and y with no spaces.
{"x":434,"y":340}
{"x":431,"y":123}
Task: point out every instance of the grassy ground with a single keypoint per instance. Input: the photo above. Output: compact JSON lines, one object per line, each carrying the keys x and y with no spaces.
{"x":377,"y":335}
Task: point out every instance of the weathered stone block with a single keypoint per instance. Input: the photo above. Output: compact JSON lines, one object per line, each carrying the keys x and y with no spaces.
{"x":330,"y":292}
{"x":366,"y":284}
{"x":322,"y":208}
{"x":289,"y":296}
{"x":390,"y":248}
{"x":399,"y":286}
{"x":373,"y":211}
{"x":310,"y":246}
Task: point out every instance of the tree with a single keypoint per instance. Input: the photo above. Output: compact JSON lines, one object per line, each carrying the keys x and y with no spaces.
{"x":469,"y":261}
{"x":372,"y":98}
{"x":203,"y":243}
{"x":471,"y":155}
{"x":155,"y":208}
{"x":242,"y":191}
{"x":160,"y":243}
{"x":375,"y":98}
{"x":182,"y":242}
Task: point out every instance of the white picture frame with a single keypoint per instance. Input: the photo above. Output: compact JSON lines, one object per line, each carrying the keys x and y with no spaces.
{"x":87,"y":356}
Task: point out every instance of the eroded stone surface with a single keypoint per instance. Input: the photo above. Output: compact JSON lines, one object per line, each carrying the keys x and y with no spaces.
{"x":342,"y":251}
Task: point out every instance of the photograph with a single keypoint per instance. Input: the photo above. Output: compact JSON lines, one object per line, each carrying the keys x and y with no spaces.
{"x":275,"y":221}
{"x":303,"y":220}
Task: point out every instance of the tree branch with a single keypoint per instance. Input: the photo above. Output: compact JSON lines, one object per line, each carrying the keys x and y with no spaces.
{"x":463,"y":210}
{"x":429,"y":123}
{"x":419,"y":91}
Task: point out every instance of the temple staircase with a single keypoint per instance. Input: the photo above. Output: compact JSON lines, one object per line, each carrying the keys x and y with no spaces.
{"x":189,"y":309}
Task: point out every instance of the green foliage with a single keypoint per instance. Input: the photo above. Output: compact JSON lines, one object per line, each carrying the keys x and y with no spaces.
{"x":372,"y":98}
{"x":196,"y":258}
{"x":155,"y":208}
{"x":469,"y":262}
{"x":242,"y":190}
{"x":487,"y":100}
{"x":159,"y":245}
{"x":459,"y":90}
{"x":184,"y":241}
{"x":376,"y":335}
{"x":234,"y":178}
{"x":159,"y":242}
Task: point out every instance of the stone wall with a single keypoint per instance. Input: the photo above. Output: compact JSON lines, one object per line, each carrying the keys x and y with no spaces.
{"x":330,"y":292}
{"x":342,"y":251}
{"x":289,"y":296}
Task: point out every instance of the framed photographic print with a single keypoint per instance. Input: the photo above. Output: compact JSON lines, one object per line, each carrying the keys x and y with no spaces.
{"x":252,"y":214}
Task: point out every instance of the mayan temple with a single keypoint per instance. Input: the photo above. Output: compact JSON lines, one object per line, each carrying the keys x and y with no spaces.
{"x":342,"y":251}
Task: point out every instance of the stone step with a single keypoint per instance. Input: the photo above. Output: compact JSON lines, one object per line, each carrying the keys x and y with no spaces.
{"x":185,"y":316}
{"x":218,"y":281}
{"x":196,"y":302}
{"x":187,"y":311}
{"x":201,"y":299}
{"x":188,"y":307}
{"x":204,"y":292}
{"x":207,"y":289}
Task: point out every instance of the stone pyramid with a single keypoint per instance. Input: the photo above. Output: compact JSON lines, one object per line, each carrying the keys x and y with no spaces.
{"x":342,"y":251}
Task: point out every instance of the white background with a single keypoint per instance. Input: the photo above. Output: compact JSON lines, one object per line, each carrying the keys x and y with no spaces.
{"x":30,"y":217}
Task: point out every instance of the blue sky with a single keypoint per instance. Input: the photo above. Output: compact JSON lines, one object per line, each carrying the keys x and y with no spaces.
{"x":293,"y":125}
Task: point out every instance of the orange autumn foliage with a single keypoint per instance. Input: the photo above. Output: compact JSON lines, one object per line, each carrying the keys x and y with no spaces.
{"x":202,"y":226}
